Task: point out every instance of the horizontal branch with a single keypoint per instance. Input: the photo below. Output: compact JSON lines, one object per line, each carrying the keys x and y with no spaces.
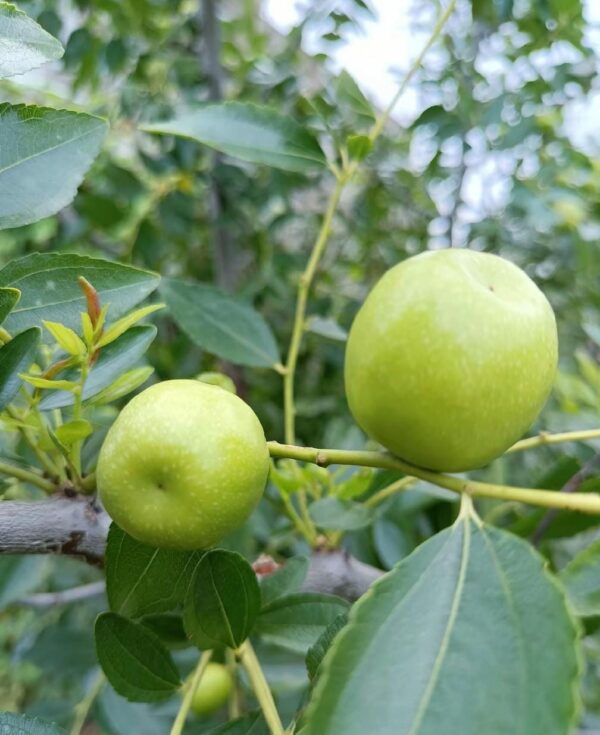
{"x":64,"y":597}
{"x":582,"y":502}
{"x":58,"y":525}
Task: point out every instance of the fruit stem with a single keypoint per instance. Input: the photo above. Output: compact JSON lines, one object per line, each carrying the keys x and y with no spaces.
{"x":305,"y":283}
{"x":544,"y":438}
{"x":582,"y":502}
{"x":177,"y":728}
{"x":402,"y":484}
{"x":349,"y":168}
{"x":82,"y":709}
{"x":250,"y":662}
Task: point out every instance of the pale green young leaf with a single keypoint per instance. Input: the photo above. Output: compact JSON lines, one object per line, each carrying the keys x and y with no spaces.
{"x":73,"y":431}
{"x":46,"y":384}
{"x":87,"y":328}
{"x":120,"y":327}
{"x":66,"y":338}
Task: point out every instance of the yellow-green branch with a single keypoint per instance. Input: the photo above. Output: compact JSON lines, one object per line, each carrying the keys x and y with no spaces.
{"x":582,"y":502}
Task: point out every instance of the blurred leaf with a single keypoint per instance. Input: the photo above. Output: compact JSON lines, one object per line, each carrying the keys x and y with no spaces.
{"x":581,"y":580}
{"x":317,"y":651}
{"x":114,"y":360}
{"x":253,"y":724}
{"x":348,"y":92}
{"x":119,"y":717}
{"x":141,"y":579}
{"x":223,"y":600}
{"x":286,"y":579}
{"x":47,"y":650}
{"x":328,"y":328}
{"x":296,"y":621}
{"x":19,"y":575}
{"x":220,"y":324}
{"x":134,"y":660}
{"x":341,"y":515}
{"x":359,"y":146}
{"x":246,"y":131}
{"x":49,"y":287}
{"x":16,"y":357}
{"x":11,"y":724}
{"x":421,"y":622}
{"x":24,"y":44}
{"x":44,"y":155}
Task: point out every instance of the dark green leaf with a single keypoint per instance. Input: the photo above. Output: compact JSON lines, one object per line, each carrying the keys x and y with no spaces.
{"x":473,"y":635}
{"x":44,"y":155}
{"x":249,"y":132}
{"x":359,"y":146}
{"x":24,"y":44}
{"x":296,"y":621}
{"x":581,"y":580}
{"x":141,"y":579}
{"x":11,"y":724}
{"x":223,"y":600}
{"x":16,"y":357}
{"x":115,"y":359}
{"x":50,"y":291}
{"x":317,"y":651}
{"x":169,"y":628}
{"x":341,"y":515}
{"x":287,"y":579}
{"x":220,"y":324}
{"x":134,"y":660}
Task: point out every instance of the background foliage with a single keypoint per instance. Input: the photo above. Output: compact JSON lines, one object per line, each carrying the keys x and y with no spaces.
{"x":496,"y":158}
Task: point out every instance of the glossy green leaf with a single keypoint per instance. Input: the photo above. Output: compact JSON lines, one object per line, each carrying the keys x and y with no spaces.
{"x":581,"y":580}
{"x":296,"y":621}
{"x":44,"y":155}
{"x":13,"y":724}
{"x":19,"y":575}
{"x":134,"y":660}
{"x":114,"y":360}
{"x":285,"y":580}
{"x":246,"y":131}
{"x":9,"y":298}
{"x":24,"y":44}
{"x":119,"y":327}
{"x":16,"y":357}
{"x":220,"y":324}
{"x":140,"y":579}
{"x":49,"y":288}
{"x":223,"y":600}
{"x":341,"y":515}
{"x":474,"y":636}
{"x":169,"y":628}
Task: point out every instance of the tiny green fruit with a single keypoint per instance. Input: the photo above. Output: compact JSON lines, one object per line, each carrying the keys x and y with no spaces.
{"x":184,"y":464}
{"x":213,"y":691}
{"x":451,"y":358}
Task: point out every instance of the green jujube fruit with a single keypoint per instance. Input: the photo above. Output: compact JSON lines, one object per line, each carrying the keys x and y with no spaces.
{"x":451,"y":358}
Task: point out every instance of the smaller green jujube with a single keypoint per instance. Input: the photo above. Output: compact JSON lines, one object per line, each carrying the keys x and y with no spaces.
{"x":213,"y":691}
{"x":184,"y":464}
{"x":451,"y":358}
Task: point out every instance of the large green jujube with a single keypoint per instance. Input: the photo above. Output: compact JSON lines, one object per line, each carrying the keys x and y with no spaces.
{"x":451,"y":358}
{"x":184,"y":464}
